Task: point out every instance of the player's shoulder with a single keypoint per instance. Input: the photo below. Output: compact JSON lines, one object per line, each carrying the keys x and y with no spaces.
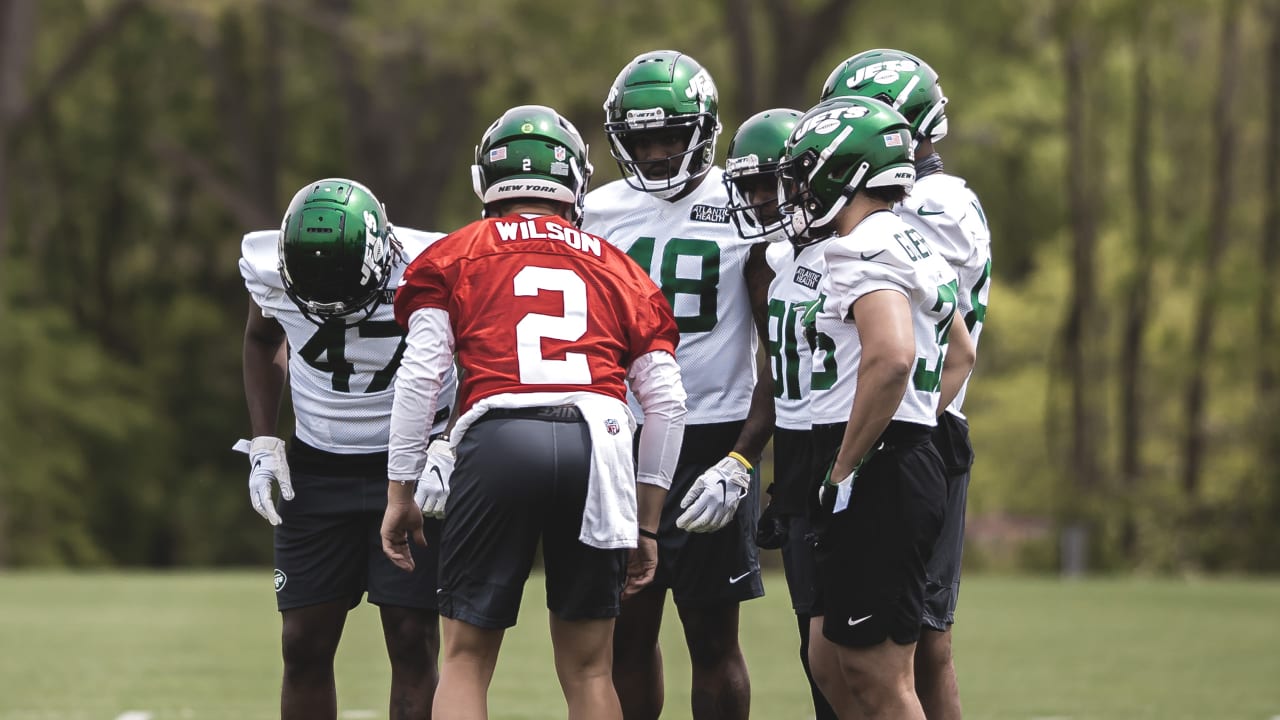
{"x":940,"y":194}
{"x":610,"y":198}
{"x":879,"y":233}
{"x":259,"y":258}
{"x":779,"y":255}
{"x":414,"y":241}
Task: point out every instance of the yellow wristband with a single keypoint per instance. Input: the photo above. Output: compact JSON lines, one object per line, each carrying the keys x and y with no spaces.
{"x":741,"y":459}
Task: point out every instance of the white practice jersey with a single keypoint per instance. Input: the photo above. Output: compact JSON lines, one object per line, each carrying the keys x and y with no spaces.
{"x":692,"y":251}
{"x":797,"y":274}
{"x":341,"y":377}
{"x":884,"y":253}
{"x":943,"y":209}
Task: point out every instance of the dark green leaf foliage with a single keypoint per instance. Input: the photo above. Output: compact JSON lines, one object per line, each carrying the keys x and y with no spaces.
{"x":188,"y":124}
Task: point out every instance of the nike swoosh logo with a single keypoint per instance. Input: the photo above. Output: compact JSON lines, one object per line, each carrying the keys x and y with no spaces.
{"x":853,"y":622}
{"x":439,"y":477}
{"x":256,"y":463}
{"x":865,"y":256}
{"x":734,"y":580}
{"x":724,"y":493}
{"x":925,"y":213}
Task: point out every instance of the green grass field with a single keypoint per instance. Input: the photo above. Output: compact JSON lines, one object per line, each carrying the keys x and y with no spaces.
{"x":191,"y":646}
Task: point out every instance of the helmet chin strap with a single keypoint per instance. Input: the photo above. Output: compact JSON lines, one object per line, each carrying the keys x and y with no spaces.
{"x":928,"y":120}
{"x":845,"y":196}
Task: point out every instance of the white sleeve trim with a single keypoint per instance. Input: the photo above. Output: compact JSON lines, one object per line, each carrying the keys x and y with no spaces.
{"x":427,"y":358}
{"x":655,"y":381}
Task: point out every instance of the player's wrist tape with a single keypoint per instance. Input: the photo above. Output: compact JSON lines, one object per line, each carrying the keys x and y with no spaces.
{"x":648,"y":534}
{"x":741,"y":459}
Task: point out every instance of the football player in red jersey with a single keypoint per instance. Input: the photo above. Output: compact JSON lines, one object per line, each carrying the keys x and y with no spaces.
{"x":549,"y":324}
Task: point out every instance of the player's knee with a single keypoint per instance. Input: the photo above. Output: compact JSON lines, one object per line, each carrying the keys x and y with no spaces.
{"x":713,"y":649}
{"x":306,"y":651}
{"x":412,"y":637}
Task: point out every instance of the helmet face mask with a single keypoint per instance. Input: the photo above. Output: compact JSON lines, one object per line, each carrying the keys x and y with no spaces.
{"x":900,"y":80}
{"x":750,"y":173}
{"x":532,"y":152}
{"x":840,"y":147}
{"x":661,"y":119}
{"x":335,"y":251}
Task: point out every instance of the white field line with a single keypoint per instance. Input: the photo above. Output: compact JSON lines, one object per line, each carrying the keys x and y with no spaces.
{"x":134,"y":715}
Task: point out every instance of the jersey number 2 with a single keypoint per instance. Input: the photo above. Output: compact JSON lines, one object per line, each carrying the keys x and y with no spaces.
{"x":535,"y":368}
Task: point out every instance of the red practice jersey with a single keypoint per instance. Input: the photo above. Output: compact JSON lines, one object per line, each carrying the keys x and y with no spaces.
{"x":537,"y":305}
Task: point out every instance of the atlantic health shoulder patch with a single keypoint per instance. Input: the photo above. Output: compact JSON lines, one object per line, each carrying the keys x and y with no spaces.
{"x":709,"y":213}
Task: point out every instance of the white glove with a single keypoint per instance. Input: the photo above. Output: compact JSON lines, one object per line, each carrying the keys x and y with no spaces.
{"x":844,"y":488}
{"x":267,"y":462}
{"x":433,"y":485}
{"x":714,"y":497}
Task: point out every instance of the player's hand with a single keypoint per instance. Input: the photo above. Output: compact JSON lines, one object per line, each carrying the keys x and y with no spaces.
{"x":841,"y":488}
{"x":771,"y":529}
{"x":401,"y":524}
{"x":642,"y":563}
{"x":433,"y":486}
{"x":266,"y":463}
{"x":714,"y":496}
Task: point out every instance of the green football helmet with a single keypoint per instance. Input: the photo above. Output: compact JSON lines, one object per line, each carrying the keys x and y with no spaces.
{"x":841,"y":146}
{"x":900,"y":79}
{"x":336,"y":250}
{"x":660,"y":92}
{"x":749,"y":172}
{"x":532,"y":152}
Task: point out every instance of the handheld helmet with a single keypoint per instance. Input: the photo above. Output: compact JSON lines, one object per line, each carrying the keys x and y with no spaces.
{"x":336,"y":249}
{"x":749,"y":173}
{"x":899,"y":79}
{"x":839,"y":147}
{"x":532,"y":152}
{"x":661,"y":92}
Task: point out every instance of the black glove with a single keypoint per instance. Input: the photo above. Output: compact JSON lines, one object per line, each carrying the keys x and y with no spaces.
{"x":771,"y":529}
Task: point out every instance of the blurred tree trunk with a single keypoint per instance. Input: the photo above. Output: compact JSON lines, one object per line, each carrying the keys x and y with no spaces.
{"x":20,"y":110}
{"x":800,"y":39}
{"x":1224,"y":142}
{"x":1270,"y":237}
{"x":17,"y":33}
{"x":1078,"y":336}
{"x":1139,"y":293}
{"x":1268,"y":394}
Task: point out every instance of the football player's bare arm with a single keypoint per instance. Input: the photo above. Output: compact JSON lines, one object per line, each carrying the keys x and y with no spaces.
{"x":961,"y":356}
{"x":883,"y":318}
{"x":266,"y":369}
{"x":760,"y":417}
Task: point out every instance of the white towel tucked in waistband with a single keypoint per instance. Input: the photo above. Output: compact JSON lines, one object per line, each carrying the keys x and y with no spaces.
{"x":609,"y":518}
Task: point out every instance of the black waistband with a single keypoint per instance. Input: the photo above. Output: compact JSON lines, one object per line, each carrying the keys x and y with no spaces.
{"x":554,"y":413}
{"x":898,"y":434}
{"x":312,"y":460}
{"x":905,"y":434}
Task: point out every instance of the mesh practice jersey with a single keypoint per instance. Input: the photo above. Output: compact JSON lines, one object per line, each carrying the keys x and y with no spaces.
{"x":341,"y":376}
{"x":884,"y":253}
{"x":575,"y":310}
{"x":797,"y":274}
{"x":947,"y":213}
{"x":692,"y":251}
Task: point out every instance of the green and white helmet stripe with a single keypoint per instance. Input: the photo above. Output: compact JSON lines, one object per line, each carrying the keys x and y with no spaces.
{"x":656,"y":91}
{"x":754,"y":152}
{"x":899,"y":79}
{"x":335,"y":250}
{"x":532,"y":152}
{"x":842,"y":145}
